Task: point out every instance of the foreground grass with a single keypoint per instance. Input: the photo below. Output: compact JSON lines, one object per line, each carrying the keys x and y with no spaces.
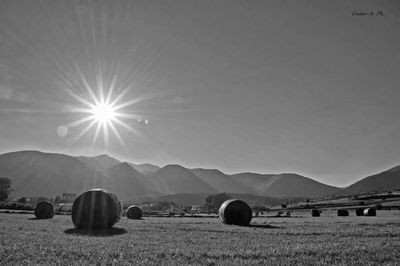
{"x":286,"y":241}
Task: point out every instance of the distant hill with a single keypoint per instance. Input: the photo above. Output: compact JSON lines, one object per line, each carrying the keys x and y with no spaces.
{"x":130,"y":184}
{"x":221,"y":182}
{"x":145,"y":168}
{"x":102,"y":162}
{"x":99,"y":163}
{"x":385,"y":181}
{"x":35,"y":173}
{"x":281,"y":185}
{"x":284,"y":185}
{"x":175,"y":179}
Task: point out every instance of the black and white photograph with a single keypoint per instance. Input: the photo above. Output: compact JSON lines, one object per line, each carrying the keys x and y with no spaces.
{"x":199,"y":132}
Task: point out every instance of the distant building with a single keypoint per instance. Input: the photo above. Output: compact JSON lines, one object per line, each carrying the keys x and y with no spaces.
{"x":64,"y":208}
{"x":35,"y":200}
{"x":196,"y":209}
{"x":68,"y":197}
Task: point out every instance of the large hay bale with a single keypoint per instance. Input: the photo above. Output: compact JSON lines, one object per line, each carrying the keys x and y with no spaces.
{"x":44,"y":210}
{"x":360,"y":212}
{"x":315,"y":213}
{"x":370,"y":212}
{"x":96,"y":209}
{"x":342,"y":212}
{"x":134,"y":212}
{"x":235,"y":212}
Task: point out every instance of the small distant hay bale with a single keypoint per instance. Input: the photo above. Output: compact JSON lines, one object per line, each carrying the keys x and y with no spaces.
{"x":44,"y":210}
{"x":315,"y":213}
{"x":96,"y":209}
{"x":342,"y":212}
{"x":370,"y":212}
{"x":360,"y":212}
{"x":134,"y":212}
{"x":235,"y":212}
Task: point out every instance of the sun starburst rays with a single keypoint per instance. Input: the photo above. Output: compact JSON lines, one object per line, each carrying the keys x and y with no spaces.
{"x":105,"y":108}
{"x":106,"y":116}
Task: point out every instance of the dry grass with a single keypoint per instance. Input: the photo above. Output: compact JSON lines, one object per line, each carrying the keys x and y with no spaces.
{"x":309,"y":240}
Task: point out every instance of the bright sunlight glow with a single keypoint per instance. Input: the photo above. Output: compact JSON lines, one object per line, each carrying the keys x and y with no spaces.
{"x":105,"y":106}
{"x":103,"y":112}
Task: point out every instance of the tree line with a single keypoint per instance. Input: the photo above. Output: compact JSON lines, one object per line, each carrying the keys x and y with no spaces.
{"x":5,"y":188}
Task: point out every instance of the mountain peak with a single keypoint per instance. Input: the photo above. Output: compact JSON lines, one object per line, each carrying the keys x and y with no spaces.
{"x":100,"y":162}
{"x":173,"y":165}
{"x":125,"y":167}
{"x":104,"y":156}
{"x":173,"y":168}
{"x":145,"y":168}
{"x":216,"y":171}
{"x":125,"y":164}
{"x":384,"y":181}
{"x":31,"y":169}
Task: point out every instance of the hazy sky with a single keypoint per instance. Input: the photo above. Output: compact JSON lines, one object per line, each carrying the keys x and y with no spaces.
{"x":261,"y":86}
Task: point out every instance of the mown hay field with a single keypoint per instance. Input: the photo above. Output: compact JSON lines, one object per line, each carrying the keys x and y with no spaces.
{"x":299,"y":240}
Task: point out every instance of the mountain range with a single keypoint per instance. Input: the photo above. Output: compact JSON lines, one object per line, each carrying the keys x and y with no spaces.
{"x":35,"y":173}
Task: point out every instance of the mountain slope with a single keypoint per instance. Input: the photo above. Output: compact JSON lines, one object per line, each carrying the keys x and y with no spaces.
{"x":285,"y":185}
{"x":384,"y":181}
{"x":220,"y":181}
{"x":36,"y":173}
{"x":99,"y":163}
{"x":130,"y":184}
{"x":145,"y":168}
{"x":175,"y":179}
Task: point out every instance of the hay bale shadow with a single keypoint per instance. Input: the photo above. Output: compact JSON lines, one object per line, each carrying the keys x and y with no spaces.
{"x":264,"y":226}
{"x":38,"y":219}
{"x":98,"y":232}
{"x":141,"y":219}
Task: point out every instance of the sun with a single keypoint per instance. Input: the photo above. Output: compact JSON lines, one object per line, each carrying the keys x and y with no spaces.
{"x":103,"y":110}
{"x":104,"y":113}
{"x":105,"y":105}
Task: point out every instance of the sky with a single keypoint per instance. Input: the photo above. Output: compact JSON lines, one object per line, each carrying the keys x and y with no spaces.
{"x":307,"y":87}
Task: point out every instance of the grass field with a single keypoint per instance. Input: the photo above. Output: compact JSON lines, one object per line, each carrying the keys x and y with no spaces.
{"x":174,"y":241}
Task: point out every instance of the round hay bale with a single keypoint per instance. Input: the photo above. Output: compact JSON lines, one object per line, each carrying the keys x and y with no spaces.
{"x":134,"y":212}
{"x":235,"y":212}
{"x":315,"y":213}
{"x":96,"y":209}
{"x":44,"y":210}
{"x":370,"y":212}
{"x":360,"y":212}
{"x":342,"y":212}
